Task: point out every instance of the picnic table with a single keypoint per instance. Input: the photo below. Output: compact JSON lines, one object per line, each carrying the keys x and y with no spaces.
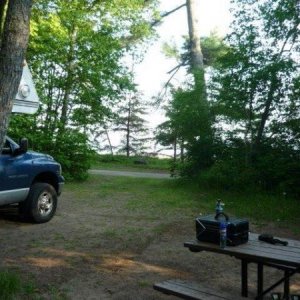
{"x":285,"y":258}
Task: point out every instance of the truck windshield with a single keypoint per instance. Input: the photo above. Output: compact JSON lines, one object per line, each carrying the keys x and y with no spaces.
{"x":9,"y":146}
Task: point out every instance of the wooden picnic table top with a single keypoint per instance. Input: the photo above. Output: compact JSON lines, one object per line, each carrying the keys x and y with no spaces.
{"x":256,"y":251}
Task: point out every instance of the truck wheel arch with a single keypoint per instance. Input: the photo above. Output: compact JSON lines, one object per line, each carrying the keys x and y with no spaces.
{"x":47,"y":177}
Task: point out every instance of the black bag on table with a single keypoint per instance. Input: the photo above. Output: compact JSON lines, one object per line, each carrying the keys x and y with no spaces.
{"x":208,"y":229}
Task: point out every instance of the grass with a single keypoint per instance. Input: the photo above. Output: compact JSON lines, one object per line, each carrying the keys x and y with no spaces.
{"x":150,"y":198}
{"x":10,"y":285}
{"x":134,"y":163}
{"x":126,"y":215}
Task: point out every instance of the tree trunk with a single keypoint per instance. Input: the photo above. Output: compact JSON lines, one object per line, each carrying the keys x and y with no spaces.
{"x":173,"y":165}
{"x":197,"y":69}
{"x":128,"y":130}
{"x":196,"y":56}
{"x":265,"y":115}
{"x":194,"y":35}
{"x":69,"y":80}
{"x":182,"y":150}
{"x":14,"y":38}
{"x":249,"y":132}
{"x":109,"y":142}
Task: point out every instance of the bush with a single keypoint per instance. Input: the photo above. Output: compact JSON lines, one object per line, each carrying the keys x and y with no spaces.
{"x":72,"y":151}
{"x":229,"y":175}
{"x":70,"y":148}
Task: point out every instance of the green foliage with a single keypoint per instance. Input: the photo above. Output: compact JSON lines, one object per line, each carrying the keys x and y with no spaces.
{"x":77,"y":80}
{"x":170,"y":50}
{"x":188,"y":127}
{"x":10,"y":285}
{"x":76,"y":55}
{"x":133,"y":162}
{"x":69,"y":148}
{"x":255,"y":93}
{"x":72,"y":151}
{"x":213,"y":48}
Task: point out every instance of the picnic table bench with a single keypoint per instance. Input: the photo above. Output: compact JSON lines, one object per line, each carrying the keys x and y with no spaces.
{"x":285,"y":258}
{"x":191,"y":290}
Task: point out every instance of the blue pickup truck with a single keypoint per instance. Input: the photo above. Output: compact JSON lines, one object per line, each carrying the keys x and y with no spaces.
{"x":31,"y":179}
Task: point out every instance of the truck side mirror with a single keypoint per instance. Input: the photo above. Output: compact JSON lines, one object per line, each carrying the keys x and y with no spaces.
{"x":23,"y":145}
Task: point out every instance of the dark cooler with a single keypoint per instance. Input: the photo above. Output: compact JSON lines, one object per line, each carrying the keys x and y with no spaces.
{"x":208,"y":230}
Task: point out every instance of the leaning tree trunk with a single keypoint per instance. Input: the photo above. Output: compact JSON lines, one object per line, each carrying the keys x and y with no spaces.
{"x":265,"y":116}
{"x":14,"y":40}
{"x":109,"y":142}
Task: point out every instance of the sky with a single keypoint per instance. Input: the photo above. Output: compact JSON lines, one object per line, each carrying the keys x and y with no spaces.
{"x":151,"y":74}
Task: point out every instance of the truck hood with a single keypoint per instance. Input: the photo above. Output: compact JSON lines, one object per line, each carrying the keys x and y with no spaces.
{"x":37,"y":155}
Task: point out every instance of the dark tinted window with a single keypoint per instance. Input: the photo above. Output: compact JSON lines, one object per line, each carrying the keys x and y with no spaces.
{"x":6,"y":148}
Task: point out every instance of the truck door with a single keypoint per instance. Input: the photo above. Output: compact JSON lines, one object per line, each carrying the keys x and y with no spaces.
{"x":13,"y":180}
{"x":4,"y":156}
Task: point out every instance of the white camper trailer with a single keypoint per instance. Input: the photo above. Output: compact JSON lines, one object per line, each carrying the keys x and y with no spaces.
{"x":26,"y":100}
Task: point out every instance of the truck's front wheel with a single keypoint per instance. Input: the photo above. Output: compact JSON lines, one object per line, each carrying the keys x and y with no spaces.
{"x":40,"y":206}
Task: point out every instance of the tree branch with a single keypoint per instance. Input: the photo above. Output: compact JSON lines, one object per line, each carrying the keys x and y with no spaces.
{"x":3,"y":6}
{"x":165,"y":14}
{"x":177,"y":67}
{"x":166,"y":85}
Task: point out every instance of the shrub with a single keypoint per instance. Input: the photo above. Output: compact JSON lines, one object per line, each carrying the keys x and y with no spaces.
{"x":70,"y":148}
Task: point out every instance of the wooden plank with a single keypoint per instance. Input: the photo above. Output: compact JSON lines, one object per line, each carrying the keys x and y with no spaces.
{"x":256,"y":251}
{"x":190,"y":290}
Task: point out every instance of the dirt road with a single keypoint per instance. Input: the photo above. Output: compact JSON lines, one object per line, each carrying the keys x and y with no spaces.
{"x":130,"y":174}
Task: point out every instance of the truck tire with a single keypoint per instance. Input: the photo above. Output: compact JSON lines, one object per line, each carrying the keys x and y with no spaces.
{"x":41,"y":203}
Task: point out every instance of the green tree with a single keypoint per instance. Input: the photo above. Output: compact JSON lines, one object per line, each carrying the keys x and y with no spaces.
{"x":256,"y":89}
{"x":76,"y":52}
{"x":189,"y":125}
{"x":130,"y":121}
{"x":257,"y":75}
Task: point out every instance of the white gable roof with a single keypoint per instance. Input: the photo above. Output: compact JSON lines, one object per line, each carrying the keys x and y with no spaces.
{"x":27,"y":100}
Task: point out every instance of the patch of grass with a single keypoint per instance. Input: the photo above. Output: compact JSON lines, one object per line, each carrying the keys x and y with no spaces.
{"x":112,"y":233}
{"x":56,"y":293}
{"x":261,"y":207}
{"x":144,"y":283}
{"x":163,"y":199}
{"x":10,"y":285}
{"x":29,"y":288}
{"x":35,"y":243}
{"x":134,"y":163}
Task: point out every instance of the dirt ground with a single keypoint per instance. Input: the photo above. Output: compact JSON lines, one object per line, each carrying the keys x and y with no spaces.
{"x":101,"y":250}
